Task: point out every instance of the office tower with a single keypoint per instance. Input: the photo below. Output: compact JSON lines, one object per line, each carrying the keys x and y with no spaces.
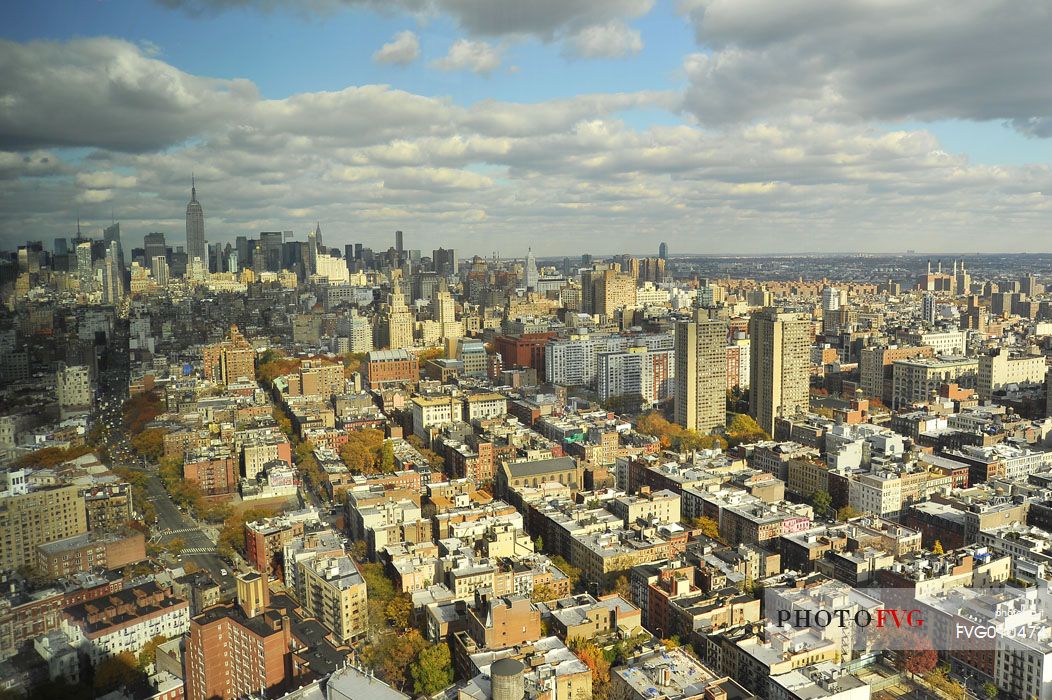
{"x":586,"y":260}
{"x":399,"y":249}
{"x":663,"y":251}
{"x":244,"y":250}
{"x":531,"y":271}
{"x":963,"y":283}
{"x":61,"y":246}
{"x":159,"y":267}
{"x":312,"y":252}
{"x":701,"y":373}
{"x":195,"y":227}
{"x":154,"y":246}
{"x":830,"y":299}
{"x":928,"y":308}
{"x":112,"y":234}
{"x":232,"y":261}
{"x":444,"y":262}
{"x":271,"y":242}
{"x":84,"y":270}
{"x":359,"y":251}
{"x":112,"y":276}
{"x":443,"y":311}
{"x":399,"y":321}
{"x":177,"y":265}
{"x":779,"y":365}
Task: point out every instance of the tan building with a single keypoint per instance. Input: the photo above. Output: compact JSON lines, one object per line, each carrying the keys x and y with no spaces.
{"x":90,"y":550}
{"x":998,"y":369}
{"x":917,"y":380}
{"x":779,"y":366}
{"x":28,"y":520}
{"x":875,"y":366}
{"x":334,"y":591}
{"x":701,"y":373}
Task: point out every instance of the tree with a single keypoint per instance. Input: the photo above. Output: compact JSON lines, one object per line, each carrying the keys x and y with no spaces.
{"x":917,"y":655}
{"x":542,"y":593}
{"x":592,"y":657}
{"x":622,"y":588}
{"x":432,"y":671}
{"x":744,"y":429}
{"x":847,"y":513}
{"x":709,"y":527}
{"x":387,"y":458}
{"x":394,"y":654}
{"x":822,"y":502}
{"x":937,"y":548}
{"x":139,"y":410}
{"x":572,"y":572}
{"x":398,"y":610}
{"x":116,"y":671}
{"x":149,"y":443}
{"x":149,"y":652}
{"x":990,"y":690}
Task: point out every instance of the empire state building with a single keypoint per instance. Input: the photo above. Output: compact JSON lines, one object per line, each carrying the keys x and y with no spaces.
{"x":195,"y":228}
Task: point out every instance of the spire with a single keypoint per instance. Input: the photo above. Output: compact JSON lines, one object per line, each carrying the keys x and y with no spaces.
{"x":193,"y":188}
{"x":78,"y":225}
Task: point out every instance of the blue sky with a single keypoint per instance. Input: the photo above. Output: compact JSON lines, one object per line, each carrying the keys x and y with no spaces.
{"x":728,"y":115}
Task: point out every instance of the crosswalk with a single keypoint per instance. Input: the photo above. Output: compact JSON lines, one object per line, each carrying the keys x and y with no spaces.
{"x":198,"y":550}
{"x":181,"y":531}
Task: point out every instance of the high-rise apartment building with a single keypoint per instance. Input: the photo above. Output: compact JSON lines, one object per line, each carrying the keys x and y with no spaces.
{"x":112,"y":275}
{"x":701,"y":373}
{"x":779,"y":365}
{"x":73,"y":388}
{"x":399,"y":321}
{"x":32,"y":518}
{"x":85,"y":272}
{"x":195,"y":228}
{"x":334,"y":592}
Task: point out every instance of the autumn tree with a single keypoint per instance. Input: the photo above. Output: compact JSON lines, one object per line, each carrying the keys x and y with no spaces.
{"x":847,"y":513}
{"x":394,"y":654}
{"x":148,"y":655}
{"x":709,"y":527}
{"x":594,"y":658}
{"x":116,"y":671}
{"x":937,"y":548}
{"x":432,"y":671}
{"x":139,"y":410}
{"x":622,"y":588}
{"x":571,"y":572}
{"x":398,"y":610}
{"x":743,"y":429}
{"x":149,"y":444}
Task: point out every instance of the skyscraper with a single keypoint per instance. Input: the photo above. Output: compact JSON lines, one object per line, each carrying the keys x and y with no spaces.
{"x":928,"y":308}
{"x":779,"y":365}
{"x":154,"y":246}
{"x":399,"y":321}
{"x":444,"y":261}
{"x":701,"y":373}
{"x":663,"y":251}
{"x":112,"y":275}
{"x":195,"y":227}
{"x":159,"y":267}
{"x":84,"y":270}
{"x":531,"y":271}
{"x":399,"y":250}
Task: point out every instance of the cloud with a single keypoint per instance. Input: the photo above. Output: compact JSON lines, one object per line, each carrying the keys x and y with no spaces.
{"x":852,"y":60}
{"x":105,"y":180}
{"x":546,"y":19}
{"x":106,"y":92}
{"x":612,"y":40}
{"x":475,"y":56}
{"x":369,"y":159}
{"x":402,"y":50}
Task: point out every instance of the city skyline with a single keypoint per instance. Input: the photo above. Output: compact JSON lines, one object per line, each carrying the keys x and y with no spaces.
{"x":718,"y":127}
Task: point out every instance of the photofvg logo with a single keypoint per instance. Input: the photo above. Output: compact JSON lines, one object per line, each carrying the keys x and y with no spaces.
{"x":957,"y":619}
{"x":842,"y":617}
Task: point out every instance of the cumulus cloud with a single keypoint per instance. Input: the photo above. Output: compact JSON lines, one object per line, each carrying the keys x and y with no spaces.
{"x":862,"y":60}
{"x":612,"y":40}
{"x":370,"y":159}
{"x":402,"y":50}
{"x":106,"y":92}
{"x":475,"y":56}
{"x":546,"y":19}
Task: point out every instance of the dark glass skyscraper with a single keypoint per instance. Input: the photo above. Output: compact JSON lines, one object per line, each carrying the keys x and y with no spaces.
{"x":195,"y":227}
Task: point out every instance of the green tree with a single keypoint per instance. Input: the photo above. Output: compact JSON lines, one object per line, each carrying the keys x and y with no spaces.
{"x":571,"y":572}
{"x":990,"y":690}
{"x":149,"y":652}
{"x":622,"y":588}
{"x":387,"y":458}
{"x":432,"y":671}
{"x":822,"y":502}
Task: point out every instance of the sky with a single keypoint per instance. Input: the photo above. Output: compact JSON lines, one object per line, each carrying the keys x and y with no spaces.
{"x":565,"y":126}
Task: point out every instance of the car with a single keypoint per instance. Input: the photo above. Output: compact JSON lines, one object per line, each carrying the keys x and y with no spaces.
{"x":224,"y":572}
